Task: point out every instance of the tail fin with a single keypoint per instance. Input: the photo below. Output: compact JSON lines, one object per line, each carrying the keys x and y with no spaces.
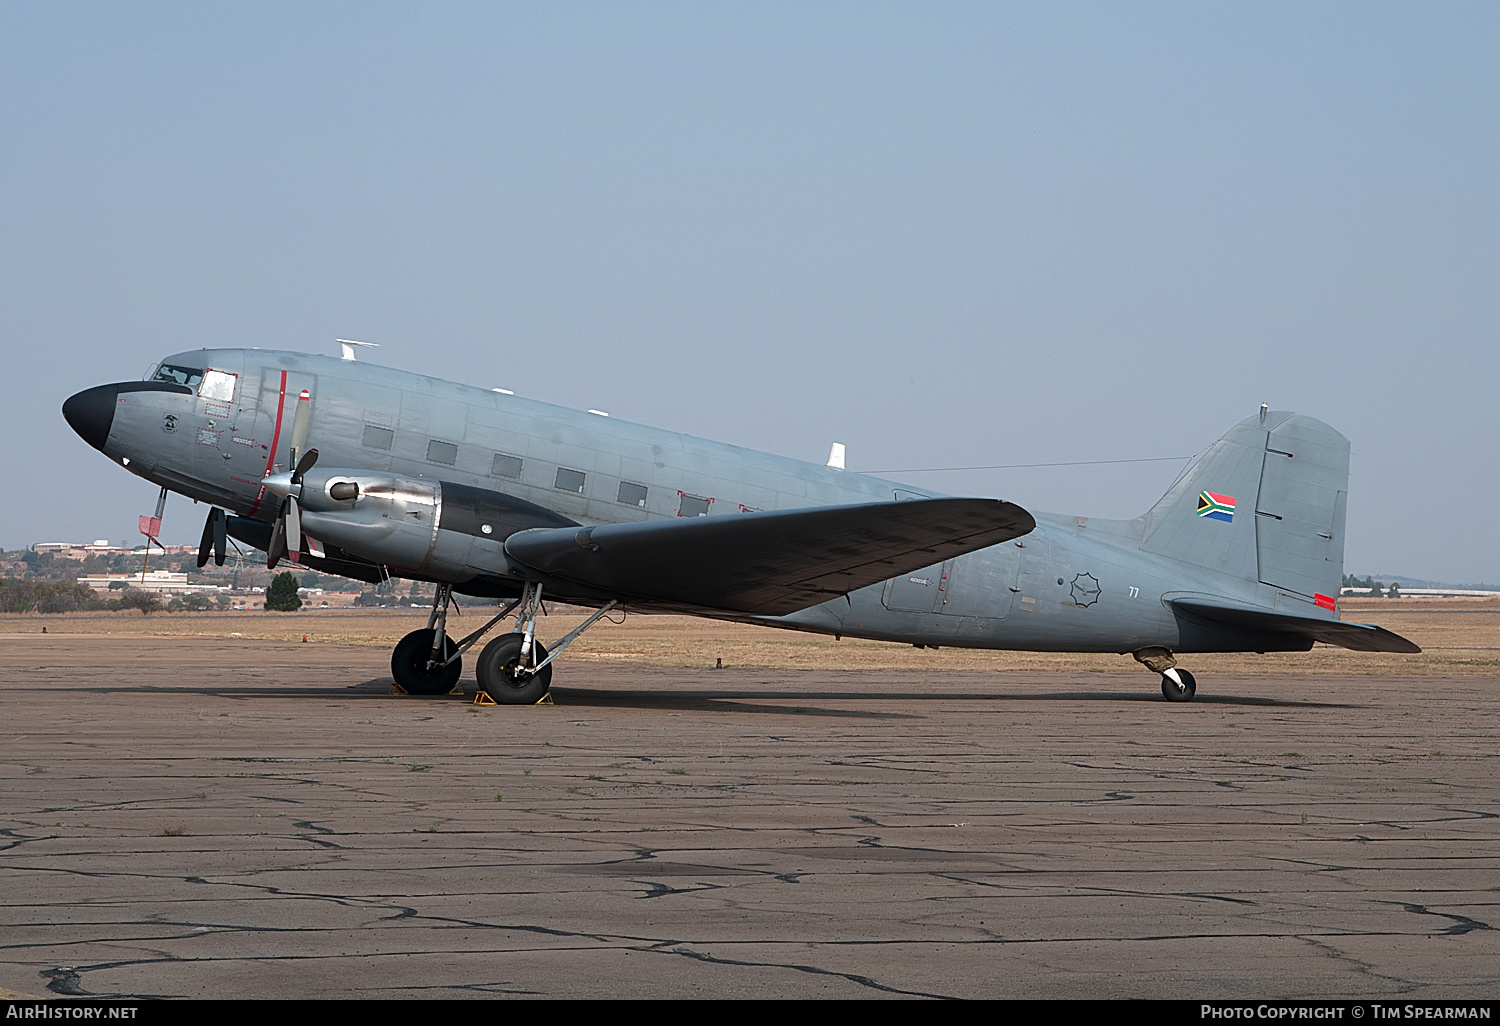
{"x":1264,"y":503}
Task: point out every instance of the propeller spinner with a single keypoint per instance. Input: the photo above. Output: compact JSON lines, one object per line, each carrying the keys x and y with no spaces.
{"x":286,"y":529}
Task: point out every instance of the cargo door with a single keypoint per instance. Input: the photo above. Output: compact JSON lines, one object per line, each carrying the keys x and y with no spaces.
{"x":982,"y":583}
{"x":921,"y":591}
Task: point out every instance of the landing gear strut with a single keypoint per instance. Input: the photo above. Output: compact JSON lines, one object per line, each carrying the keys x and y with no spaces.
{"x":1177,"y":685}
{"x":514,"y":669}
{"x":427,"y":662}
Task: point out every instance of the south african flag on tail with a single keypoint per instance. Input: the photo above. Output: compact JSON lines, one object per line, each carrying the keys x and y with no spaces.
{"x":1216,"y":506}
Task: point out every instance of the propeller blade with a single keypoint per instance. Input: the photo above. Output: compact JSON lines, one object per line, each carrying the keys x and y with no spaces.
{"x":206,"y":544}
{"x":299,"y":426}
{"x":276,"y":547}
{"x":221,"y":541}
{"x":293,"y":529}
{"x":304,"y":465}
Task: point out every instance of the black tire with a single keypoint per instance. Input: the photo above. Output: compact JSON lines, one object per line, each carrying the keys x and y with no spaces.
{"x":499,"y":673}
{"x":409,"y":665}
{"x":1172,"y":691}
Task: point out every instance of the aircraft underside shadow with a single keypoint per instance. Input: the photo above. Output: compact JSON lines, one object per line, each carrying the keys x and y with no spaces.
{"x":725,"y":700}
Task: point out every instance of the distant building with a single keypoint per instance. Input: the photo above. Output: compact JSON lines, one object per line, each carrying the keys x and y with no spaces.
{"x":80,"y":550}
{"x":83,"y":550}
{"x":1446,"y":593}
{"x":161,"y":581}
{"x":1425,"y":592}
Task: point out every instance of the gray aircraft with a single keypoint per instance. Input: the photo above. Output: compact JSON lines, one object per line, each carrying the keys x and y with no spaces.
{"x":359,"y":470}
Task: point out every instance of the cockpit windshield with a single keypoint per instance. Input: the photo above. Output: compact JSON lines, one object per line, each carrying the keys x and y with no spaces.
{"x":189,"y":376}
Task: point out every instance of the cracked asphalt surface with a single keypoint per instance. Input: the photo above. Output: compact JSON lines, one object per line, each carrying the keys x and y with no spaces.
{"x":187,"y":817}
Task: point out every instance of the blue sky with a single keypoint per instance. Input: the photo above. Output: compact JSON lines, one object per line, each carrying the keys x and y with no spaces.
{"x":947,"y":235}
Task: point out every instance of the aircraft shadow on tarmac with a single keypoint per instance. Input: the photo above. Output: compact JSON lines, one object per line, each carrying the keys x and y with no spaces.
{"x":755,"y":700}
{"x":717,"y":700}
{"x":680,"y":700}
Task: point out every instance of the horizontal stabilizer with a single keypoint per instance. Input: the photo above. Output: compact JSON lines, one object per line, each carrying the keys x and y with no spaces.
{"x":768,"y":563}
{"x":1361,"y":637}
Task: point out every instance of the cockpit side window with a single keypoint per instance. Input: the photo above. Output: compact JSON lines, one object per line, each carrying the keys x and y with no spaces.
{"x":217,"y":385}
{"x":189,"y":376}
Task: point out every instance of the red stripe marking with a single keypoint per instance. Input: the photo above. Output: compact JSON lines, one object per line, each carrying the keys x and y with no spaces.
{"x":1325,"y":601}
{"x":275,"y":440}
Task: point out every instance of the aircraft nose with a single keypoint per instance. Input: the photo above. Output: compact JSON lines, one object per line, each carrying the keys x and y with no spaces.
{"x":91,"y":413}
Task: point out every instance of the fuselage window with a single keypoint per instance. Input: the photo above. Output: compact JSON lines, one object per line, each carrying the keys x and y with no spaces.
{"x":445,"y":453}
{"x":506,"y":466}
{"x":569,"y":480}
{"x":189,"y":376}
{"x":217,"y":385}
{"x":693,"y":505}
{"x":377,"y":437}
{"x":632,"y":494}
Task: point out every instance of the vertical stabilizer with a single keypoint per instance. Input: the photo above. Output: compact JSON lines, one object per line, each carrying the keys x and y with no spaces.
{"x":1265,"y":504}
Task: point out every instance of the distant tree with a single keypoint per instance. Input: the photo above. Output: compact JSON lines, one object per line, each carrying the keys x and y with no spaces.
{"x":29,"y":596}
{"x":1395,"y":590}
{"x":282,"y":595}
{"x":147,"y":602}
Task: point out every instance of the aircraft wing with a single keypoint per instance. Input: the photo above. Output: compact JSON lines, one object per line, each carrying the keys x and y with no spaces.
{"x":1361,"y":637}
{"x":768,"y":563}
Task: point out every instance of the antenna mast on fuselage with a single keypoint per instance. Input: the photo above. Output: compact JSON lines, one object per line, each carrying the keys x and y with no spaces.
{"x":348,"y":344}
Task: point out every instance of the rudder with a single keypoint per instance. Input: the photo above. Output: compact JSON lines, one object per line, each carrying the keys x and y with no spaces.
{"x":1299,"y":518}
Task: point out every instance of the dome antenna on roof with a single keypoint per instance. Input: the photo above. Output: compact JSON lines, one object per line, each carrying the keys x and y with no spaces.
{"x":348,"y":345}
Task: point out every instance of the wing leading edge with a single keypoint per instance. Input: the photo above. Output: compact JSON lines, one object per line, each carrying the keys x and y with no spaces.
{"x":768,"y":563}
{"x":1361,"y":637}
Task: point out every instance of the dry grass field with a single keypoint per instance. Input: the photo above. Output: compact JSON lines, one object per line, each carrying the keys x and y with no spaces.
{"x":1458,"y":636}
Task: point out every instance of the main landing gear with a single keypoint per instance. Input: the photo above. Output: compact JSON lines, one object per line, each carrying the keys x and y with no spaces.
{"x":421,"y":664}
{"x":1177,"y":685}
{"x":514,"y":669}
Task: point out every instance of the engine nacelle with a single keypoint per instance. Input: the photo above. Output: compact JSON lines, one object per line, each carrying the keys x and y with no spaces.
{"x":437,"y":528}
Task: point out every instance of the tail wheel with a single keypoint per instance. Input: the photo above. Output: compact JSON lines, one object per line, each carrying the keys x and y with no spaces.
{"x":504,"y":679}
{"x":409,"y":665}
{"x":1177,"y":685}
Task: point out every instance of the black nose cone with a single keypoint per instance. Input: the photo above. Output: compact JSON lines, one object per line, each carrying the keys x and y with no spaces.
{"x":91,"y":413}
